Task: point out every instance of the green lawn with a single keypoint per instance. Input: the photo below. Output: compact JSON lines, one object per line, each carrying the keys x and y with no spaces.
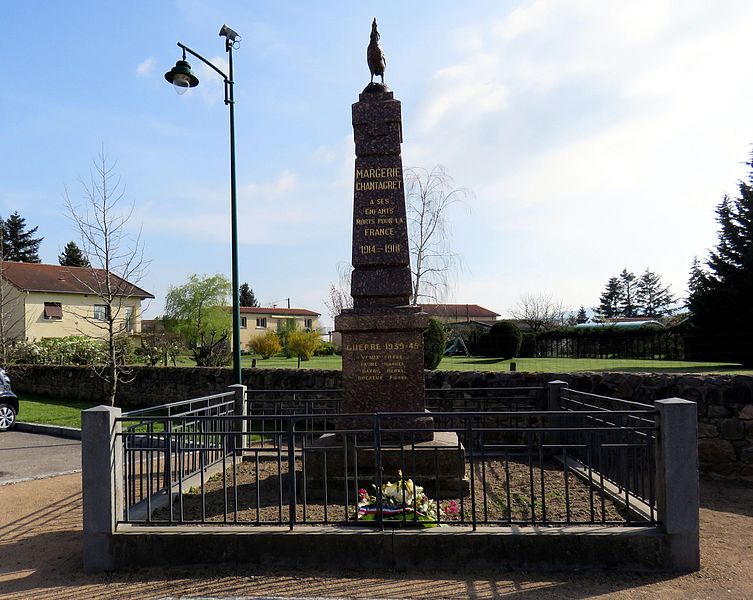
{"x":39,"y":409}
{"x":546,"y":365}
{"x":569,"y":365}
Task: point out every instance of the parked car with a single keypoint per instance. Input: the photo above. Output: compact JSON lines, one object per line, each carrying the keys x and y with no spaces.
{"x":8,"y":403}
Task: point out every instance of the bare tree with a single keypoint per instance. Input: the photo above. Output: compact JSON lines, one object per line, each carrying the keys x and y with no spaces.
{"x":429,"y":196}
{"x":116,"y":257}
{"x":339,"y":295}
{"x":11,"y":312}
{"x":539,"y":311}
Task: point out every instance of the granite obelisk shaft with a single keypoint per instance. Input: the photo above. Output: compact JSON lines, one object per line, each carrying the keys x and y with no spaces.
{"x":382,"y":335}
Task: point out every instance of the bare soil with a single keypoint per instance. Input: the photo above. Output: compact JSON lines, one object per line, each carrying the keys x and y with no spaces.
{"x":504,"y":492}
{"x":40,"y":558}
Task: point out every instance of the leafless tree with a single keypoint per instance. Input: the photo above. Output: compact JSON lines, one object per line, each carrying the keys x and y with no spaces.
{"x":429,"y":196}
{"x":339,"y":295}
{"x":539,"y":311}
{"x":116,"y":257}
{"x":11,"y":312}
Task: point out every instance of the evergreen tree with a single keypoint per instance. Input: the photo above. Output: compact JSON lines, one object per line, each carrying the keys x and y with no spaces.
{"x":628,"y":306}
{"x":653,"y":298}
{"x":695,"y":278}
{"x":581,"y":317}
{"x":721,"y":300}
{"x":609,"y":302}
{"x":19,"y":245}
{"x":246,"y":296}
{"x":73,"y":257}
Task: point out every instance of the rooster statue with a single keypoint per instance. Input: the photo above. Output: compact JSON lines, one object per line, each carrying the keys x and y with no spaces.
{"x":375,"y":54}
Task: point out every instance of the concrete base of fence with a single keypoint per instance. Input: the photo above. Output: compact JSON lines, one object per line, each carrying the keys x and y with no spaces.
{"x":446,"y":548}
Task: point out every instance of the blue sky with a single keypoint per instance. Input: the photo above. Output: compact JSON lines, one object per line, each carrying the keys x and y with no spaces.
{"x":594,"y":135}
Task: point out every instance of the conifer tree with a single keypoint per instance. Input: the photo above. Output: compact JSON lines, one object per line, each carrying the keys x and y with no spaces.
{"x":19,"y":245}
{"x":72,"y":256}
{"x":721,"y":300}
{"x":609,"y":302}
{"x":581,"y":317}
{"x":246,"y":296}
{"x":628,"y":306}
{"x":652,"y":297}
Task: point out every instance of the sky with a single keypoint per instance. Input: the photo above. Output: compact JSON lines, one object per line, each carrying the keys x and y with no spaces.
{"x":594,"y":136}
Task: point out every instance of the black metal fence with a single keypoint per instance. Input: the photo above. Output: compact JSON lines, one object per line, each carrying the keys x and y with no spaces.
{"x":492,"y":456}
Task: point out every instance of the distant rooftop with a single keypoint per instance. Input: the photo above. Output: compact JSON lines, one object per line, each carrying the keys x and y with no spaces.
{"x":282,"y":312}
{"x":38,"y":277}
{"x":460,"y":312}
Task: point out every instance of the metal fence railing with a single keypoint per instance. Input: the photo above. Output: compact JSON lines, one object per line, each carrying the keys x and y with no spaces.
{"x":164,"y":445}
{"x":510,"y":463}
{"x":625,"y":459}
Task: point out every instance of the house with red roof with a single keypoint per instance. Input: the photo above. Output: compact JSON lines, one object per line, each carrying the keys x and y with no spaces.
{"x":461,"y":313}
{"x":257,"y":320}
{"x":44,"y":301}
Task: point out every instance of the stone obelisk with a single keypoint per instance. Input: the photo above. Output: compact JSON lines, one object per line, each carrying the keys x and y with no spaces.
{"x":382,"y":335}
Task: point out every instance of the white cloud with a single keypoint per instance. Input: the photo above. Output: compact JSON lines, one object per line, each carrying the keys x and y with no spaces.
{"x":145,"y":67}
{"x":596,"y":136}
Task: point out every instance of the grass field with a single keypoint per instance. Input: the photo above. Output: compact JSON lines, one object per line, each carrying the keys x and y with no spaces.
{"x":39,"y":409}
{"x":542,"y":365}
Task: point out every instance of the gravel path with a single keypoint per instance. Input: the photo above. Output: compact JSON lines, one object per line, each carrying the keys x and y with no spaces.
{"x":40,"y":558}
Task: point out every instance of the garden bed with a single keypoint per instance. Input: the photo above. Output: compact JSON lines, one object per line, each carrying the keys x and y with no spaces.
{"x":505,"y":492}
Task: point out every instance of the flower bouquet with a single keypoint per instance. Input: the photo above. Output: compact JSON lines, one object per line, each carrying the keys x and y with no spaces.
{"x":402,"y":501}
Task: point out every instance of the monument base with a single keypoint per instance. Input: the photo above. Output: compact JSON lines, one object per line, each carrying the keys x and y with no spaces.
{"x":438,"y":465}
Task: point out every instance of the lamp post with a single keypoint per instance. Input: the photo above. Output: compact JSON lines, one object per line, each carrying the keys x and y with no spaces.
{"x":182,"y":79}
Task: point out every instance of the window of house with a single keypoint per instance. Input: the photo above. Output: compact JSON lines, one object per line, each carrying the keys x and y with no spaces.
{"x":261,"y":323}
{"x":307,"y":323}
{"x":53,"y":311}
{"x":243,"y":323}
{"x":128,"y":318}
{"x":100,"y":312}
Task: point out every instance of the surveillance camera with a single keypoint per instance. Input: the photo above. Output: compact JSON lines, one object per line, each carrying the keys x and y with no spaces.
{"x":228,"y":33}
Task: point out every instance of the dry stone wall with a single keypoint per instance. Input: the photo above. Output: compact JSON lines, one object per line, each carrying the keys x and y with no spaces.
{"x":725,"y":402}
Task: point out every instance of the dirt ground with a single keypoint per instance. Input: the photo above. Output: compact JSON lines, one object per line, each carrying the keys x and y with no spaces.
{"x":40,"y":557}
{"x":502,"y":490}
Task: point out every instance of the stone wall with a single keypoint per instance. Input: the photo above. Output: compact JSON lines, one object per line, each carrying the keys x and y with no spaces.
{"x":725,"y":402}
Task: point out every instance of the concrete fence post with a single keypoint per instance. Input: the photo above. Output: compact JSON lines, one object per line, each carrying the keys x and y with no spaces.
{"x":240,"y":425}
{"x":677,"y":487}
{"x":555,"y":394}
{"x":102,"y":484}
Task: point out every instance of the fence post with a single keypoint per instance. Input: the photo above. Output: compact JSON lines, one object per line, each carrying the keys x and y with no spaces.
{"x":240,"y":409}
{"x":677,"y":487}
{"x":555,"y":394}
{"x":102,"y":484}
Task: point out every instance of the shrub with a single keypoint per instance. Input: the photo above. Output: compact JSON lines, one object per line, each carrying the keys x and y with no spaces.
{"x":527,"y":346}
{"x":435,"y":340}
{"x":303,"y":344}
{"x":70,"y":350}
{"x":124,"y":350}
{"x":215,"y":354}
{"x":504,"y":340}
{"x":326,"y":349}
{"x":266,"y":345}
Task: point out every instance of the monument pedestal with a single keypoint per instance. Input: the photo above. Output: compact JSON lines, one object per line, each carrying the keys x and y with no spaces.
{"x":383,"y":368}
{"x":345,"y":462}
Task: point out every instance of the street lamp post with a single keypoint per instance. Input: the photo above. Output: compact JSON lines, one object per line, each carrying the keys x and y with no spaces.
{"x":182,"y":79}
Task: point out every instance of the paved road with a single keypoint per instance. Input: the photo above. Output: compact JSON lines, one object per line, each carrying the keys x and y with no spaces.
{"x":32,"y":456}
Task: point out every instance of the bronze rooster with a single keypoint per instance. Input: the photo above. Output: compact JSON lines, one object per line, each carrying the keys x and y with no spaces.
{"x":375,"y":54}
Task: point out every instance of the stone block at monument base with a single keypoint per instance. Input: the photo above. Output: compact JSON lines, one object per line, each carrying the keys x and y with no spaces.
{"x":438,"y":465}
